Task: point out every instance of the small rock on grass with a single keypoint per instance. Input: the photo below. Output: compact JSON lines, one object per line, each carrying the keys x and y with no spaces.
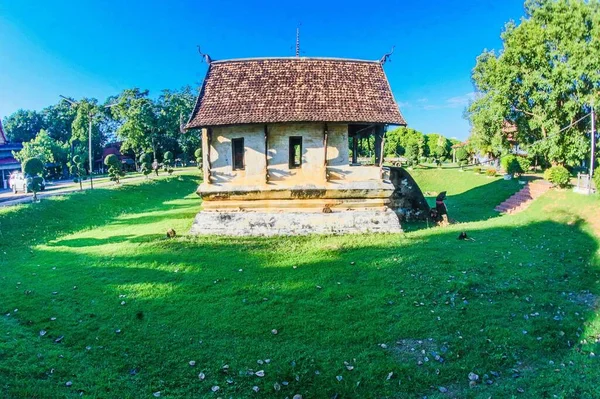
{"x":274,"y":331}
{"x":297,"y":396}
{"x":201,"y":376}
{"x":192,"y":363}
{"x":68,"y":383}
{"x":255,"y":388}
{"x":260,"y":373}
{"x":443,"y":389}
{"x":215,"y":388}
{"x":156,"y":394}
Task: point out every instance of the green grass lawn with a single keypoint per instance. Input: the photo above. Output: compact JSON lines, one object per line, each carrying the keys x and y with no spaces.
{"x":92,"y":293}
{"x":471,"y":196}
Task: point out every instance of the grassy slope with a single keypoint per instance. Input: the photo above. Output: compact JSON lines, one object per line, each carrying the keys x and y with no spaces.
{"x":470,"y":196}
{"x":487,"y":306}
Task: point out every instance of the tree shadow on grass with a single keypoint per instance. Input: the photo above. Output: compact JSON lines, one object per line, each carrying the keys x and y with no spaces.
{"x":509,"y":303}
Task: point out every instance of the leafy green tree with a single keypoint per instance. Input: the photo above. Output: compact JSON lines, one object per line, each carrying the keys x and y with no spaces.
{"x":115,"y":170}
{"x":44,"y":148}
{"x":138,"y":127}
{"x":168,"y":162}
{"x":412,"y":152}
{"x":398,"y":140}
{"x":33,"y":168}
{"x":86,"y":110}
{"x":58,"y":121}
{"x":437,"y":146}
{"x":462,"y":154}
{"x":146,"y":164}
{"x":173,"y":108}
{"x":545,"y":77}
{"x":77,"y":169}
{"x":23,"y":125}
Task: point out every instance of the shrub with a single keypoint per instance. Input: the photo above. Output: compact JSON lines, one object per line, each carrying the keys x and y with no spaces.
{"x":146,"y":166}
{"x":511,"y":165}
{"x":525,"y":164}
{"x":115,"y":172}
{"x":198,"y":155}
{"x":491,"y":172}
{"x":168,"y":162}
{"x":597,"y":181}
{"x":76,"y":169}
{"x":558,"y":175}
{"x":33,"y":168}
{"x":477,"y":169}
{"x":430,"y":160}
{"x":462,"y":154}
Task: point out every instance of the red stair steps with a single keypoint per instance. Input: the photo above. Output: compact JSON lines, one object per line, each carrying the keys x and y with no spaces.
{"x":524,"y":197}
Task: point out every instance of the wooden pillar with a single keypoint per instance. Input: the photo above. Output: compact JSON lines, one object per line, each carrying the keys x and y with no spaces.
{"x":266,"y":154}
{"x":378,"y":145}
{"x":354,"y":149}
{"x":206,"y":139}
{"x":325,"y":134}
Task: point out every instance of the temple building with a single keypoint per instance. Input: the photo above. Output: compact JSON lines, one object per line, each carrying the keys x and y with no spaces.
{"x":279,"y":143}
{"x":8,"y":163}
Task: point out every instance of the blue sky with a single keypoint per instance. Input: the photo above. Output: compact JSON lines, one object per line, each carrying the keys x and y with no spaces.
{"x":98,"y":48}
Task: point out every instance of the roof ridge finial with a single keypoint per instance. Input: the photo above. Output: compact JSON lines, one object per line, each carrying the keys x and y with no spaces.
{"x":205,"y":56}
{"x":386,"y":56}
{"x":298,"y":39}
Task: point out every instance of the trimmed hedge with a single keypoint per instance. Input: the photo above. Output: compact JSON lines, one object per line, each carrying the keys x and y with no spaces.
{"x":558,"y":175}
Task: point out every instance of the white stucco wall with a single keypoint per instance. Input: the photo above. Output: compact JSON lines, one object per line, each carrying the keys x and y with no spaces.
{"x":254,"y":155}
{"x":312,"y":170}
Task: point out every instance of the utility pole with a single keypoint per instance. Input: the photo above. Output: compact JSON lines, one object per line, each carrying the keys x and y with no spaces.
{"x":593,"y":155}
{"x":90,"y":118}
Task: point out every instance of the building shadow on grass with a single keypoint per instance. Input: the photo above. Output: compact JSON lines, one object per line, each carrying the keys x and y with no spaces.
{"x":472,"y":205}
{"x":517,"y":302}
{"x":92,"y":242}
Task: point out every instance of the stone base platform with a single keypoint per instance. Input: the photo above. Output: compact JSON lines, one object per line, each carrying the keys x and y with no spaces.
{"x":241,"y":223}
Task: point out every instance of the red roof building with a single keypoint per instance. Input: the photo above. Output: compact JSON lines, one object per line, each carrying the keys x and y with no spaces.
{"x":8,"y":163}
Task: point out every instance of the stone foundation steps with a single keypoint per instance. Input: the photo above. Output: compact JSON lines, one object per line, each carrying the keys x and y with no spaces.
{"x":524,"y":197}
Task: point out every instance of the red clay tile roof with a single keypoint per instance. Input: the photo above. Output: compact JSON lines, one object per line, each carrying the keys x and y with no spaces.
{"x":271,"y":90}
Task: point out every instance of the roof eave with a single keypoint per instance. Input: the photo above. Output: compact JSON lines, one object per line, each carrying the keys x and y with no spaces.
{"x":191,"y":126}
